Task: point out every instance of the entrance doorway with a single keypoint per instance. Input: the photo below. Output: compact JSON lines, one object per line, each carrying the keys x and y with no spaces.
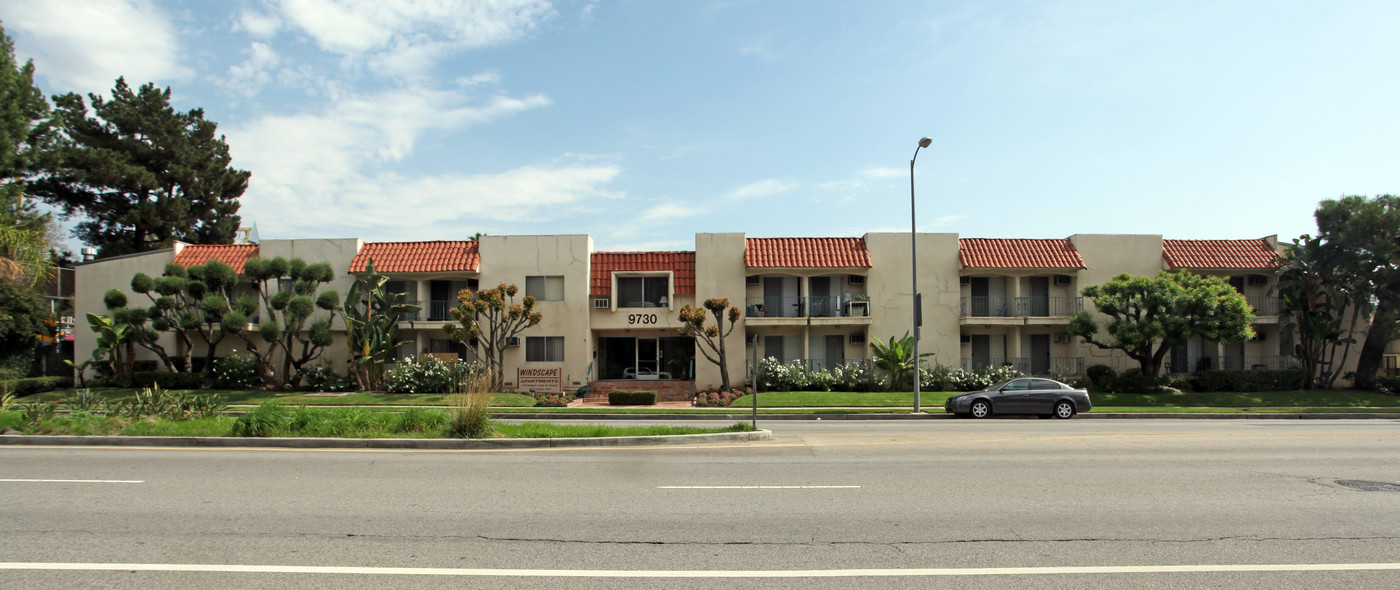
{"x":626,"y":358}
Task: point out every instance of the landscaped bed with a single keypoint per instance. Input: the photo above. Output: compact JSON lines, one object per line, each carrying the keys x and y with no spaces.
{"x":314,"y":422}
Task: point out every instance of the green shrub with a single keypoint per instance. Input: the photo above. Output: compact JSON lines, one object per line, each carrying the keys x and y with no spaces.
{"x":168,"y":380}
{"x":145,"y":366}
{"x":717,"y":399}
{"x":632,"y":398}
{"x":1389,"y":385}
{"x":426,"y":375}
{"x":265,"y":420}
{"x":32,"y":385}
{"x":237,"y":371}
{"x":1248,"y":381}
{"x":550,"y":400}
{"x":1100,"y":375}
{"x":1133,"y":381}
{"x":323,"y":377}
{"x":416,"y":420}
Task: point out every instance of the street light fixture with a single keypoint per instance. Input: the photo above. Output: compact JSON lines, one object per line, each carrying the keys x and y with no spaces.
{"x":914,"y":242}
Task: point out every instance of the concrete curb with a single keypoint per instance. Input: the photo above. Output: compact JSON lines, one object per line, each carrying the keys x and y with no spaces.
{"x":942,"y":416}
{"x":379,"y":443}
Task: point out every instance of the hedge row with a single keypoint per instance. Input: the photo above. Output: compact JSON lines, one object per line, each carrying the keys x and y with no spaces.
{"x":32,"y":385}
{"x":1248,"y":381}
{"x":632,"y":398}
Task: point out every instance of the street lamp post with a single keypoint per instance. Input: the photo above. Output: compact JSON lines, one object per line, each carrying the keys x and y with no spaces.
{"x":914,"y":242}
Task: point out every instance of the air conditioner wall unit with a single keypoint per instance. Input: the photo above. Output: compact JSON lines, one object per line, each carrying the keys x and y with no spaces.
{"x":965,"y":339}
{"x":513,"y":341}
{"x":964,"y":280}
{"x":752,"y":281}
{"x":856,"y":280}
{"x":858,"y":338}
{"x":1061,"y":338}
{"x":1062,"y":280}
{"x":1258,"y":280}
{"x":602,"y":303}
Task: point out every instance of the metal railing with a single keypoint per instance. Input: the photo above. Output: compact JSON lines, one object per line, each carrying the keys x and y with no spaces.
{"x":998,"y":306}
{"x":437,"y":311}
{"x":1055,"y":365}
{"x":802,"y":307}
{"x":1264,"y":305}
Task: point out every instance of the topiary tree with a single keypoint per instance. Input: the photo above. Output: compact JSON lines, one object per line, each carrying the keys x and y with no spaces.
{"x":191,"y":304}
{"x":1147,"y":316}
{"x":492,"y":316}
{"x":693,"y":325}
{"x":287,"y":290}
{"x":139,"y":331}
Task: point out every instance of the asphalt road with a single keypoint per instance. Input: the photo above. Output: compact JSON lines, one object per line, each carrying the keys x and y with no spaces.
{"x":832,"y":504}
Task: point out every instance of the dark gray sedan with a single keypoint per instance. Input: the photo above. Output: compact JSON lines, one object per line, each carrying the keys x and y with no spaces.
{"x":1023,"y":395}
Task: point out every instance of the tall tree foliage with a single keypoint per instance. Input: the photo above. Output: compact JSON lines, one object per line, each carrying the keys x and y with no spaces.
{"x":288,"y":290}
{"x":1323,"y":304}
{"x":142,"y":173}
{"x":1363,"y":237}
{"x":492,"y":316}
{"x":1147,"y":316}
{"x":27,"y":140}
{"x":710,"y":339}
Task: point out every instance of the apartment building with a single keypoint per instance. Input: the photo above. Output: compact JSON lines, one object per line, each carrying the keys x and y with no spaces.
{"x":611,"y":319}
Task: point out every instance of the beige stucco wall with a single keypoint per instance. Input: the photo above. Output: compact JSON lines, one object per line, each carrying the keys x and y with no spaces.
{"x":94,"y":279}
{"x":509,"y":259}
{"x":720,"y":272}
{"x":891,"y":295}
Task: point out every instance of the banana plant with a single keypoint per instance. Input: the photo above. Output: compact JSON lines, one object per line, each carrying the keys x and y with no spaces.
{"x":372,"y":326}
{"x":896,"y":358}
{"x":116,"y":346}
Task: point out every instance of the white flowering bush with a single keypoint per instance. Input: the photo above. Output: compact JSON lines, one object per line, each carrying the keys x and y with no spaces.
{"x":427,"y":375}
{"x":237,"y":371}
{"x":944,"y":378}
{"x":323,"y":377}
{"x":775,"y":375}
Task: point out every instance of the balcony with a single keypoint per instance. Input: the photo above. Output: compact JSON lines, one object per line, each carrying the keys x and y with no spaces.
{"x":1264,"y":306}
{"x":1055,"y":365}
{"x":996,"y":306}
{"x":1197,"y":364}
{"x":804,"y":307}
{"x":433,"y":311}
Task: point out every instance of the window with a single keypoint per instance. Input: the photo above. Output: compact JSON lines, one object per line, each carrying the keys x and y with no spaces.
{"x":545,"y":288}
{"x":544,"y":349}
{"x":643,"y":291}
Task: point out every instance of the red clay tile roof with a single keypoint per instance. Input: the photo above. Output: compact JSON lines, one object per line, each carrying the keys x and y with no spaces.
{"x":806,"y":253}
{"x":1219,"y":254}
{"x":233,"y":255}
{"x":1018,"y":253}
{"x":681,"y":264}
{"x":418,"y":257}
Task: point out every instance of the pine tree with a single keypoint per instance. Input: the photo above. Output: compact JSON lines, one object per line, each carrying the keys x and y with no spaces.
{"x":141,"y":173}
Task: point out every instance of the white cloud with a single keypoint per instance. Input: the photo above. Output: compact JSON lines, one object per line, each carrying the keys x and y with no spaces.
{"x":405,"y":37}
{"x":883,"y":172}
{"x":762,"y":188}
{"x":333,"y":173}
{"x":255,"y":72}
{"x":258,"y":24}
{"x":84,"y":45}
{"x":667,"y":212}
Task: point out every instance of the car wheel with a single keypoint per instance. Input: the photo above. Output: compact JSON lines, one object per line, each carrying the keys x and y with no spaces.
{"x":1064,"y":410}
{"x":980,"y":409}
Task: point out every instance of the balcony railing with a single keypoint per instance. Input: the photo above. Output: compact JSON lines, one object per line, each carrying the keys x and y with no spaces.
{"x":802,"y":307}
{"x":1196,"y":364}
{"x":1264,"y":305}
{"x":1055,"y":365}
{"x":813,"y":364}
{"x":437,"y":311}
{"x":997,"y":306}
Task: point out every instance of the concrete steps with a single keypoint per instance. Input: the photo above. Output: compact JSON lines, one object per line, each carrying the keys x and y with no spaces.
{"x":666,"y":391}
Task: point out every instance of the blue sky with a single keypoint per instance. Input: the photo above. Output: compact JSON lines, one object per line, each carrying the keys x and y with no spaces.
{"x":643,"y":122}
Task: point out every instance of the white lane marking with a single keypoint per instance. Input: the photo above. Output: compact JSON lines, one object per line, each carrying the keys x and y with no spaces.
{"x":851,"y":573}
{"x":757,"y":487}
{"x":74,"y":480}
